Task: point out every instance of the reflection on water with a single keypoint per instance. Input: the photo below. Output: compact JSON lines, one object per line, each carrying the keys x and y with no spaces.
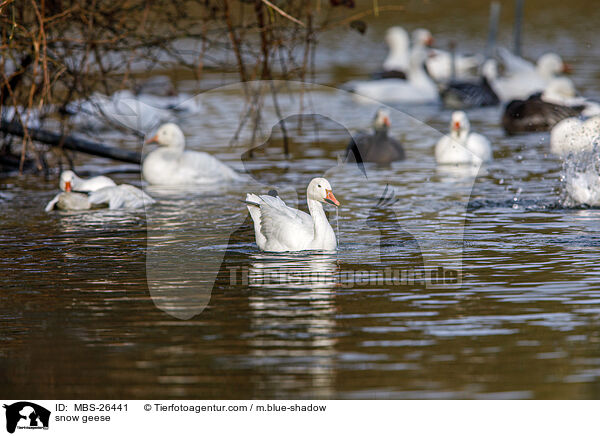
{"x":293,"y":306}
{"x":294,"y":271}
{"x":177,"y":302}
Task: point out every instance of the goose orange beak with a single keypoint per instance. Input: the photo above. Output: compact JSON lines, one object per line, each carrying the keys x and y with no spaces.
{"x":330,"y":198}
{"x":430,"y":41}
{"x":67,"y":186}
{"x":152,"y":140}
{"x":567,"y":68}
{"x":456,"y":125}
{"x":386,"y":121}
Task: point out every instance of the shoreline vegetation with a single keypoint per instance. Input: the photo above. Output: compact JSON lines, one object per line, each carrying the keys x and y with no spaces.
{"x":57,"y":53}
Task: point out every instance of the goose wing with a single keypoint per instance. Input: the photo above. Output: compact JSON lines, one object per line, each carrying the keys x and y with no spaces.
{"x":201,"y":167}
{"x":121,"y":197}
{"x":282,"y":226}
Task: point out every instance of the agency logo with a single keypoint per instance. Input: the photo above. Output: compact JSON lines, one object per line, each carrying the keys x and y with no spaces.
{"x":26,"y":415}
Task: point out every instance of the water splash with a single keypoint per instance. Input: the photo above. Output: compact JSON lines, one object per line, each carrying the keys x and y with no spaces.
{"x":581,"y":178}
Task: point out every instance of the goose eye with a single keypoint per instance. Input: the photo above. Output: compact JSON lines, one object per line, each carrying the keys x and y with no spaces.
{"x":318,"y":186}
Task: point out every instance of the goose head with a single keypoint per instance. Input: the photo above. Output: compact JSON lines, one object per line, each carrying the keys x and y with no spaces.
{"x":169,"y":135}
{"x":459,"y":125}
{"x":551,"y":64}
{"x":319,"y":190}
{"x":397,"y":38}
{"x":422,"y":38}
{"x":68,"y":180}
{"x":381,"y":122}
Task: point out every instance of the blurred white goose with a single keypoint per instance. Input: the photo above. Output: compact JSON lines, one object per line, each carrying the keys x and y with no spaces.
{"x":281,"y":228}
{"x":418,"y":88}
{"x":398,"y":42}
{"x":101,"y":190}
{"x":561,"y":91}
{"x":462,"y":146}
{"x":172,"y":165}
{"x":69,"y":181}
{"x":69,"y":201}
{"x":123,"y":108}
{"x":522,"y":78}
{"x":439,"y":64}
{"x":572,"y":135}
{"x":74,"y":190}
{"x":121,"y":197}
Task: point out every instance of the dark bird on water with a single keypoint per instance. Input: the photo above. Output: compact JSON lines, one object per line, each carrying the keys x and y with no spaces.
{"x":461,"y":94}
{"x":375,"y":146}
{"x":535,"y":115}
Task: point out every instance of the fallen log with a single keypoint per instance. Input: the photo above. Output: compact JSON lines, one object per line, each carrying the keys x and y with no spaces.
{"x":72,"y":142}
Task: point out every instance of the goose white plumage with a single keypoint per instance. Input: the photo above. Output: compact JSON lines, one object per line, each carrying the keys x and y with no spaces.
{"x":172,"y":165}
{"x":138,"y":112}
{"x":121,"y":197}
{"x":522,"y":78}
{"x":439,"y":64}
{"x":561,"y":91}
{"x":398,"y":58}
{"x":69,"y":201}
{"x":74,"y":190}
{"x":417,"y":88}
{"x":279,"y":228}
{"x":123,"y":108}
{"x":101,"y":191}
{"x":69,"y":181}
{"x":462,"y":146}
{"x":572,"y":135}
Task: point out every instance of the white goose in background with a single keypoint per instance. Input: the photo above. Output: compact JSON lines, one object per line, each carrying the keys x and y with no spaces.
{"x":572,"y":135}
{"x":439,"y":65}
{"x":74,"y":191}
{"x":121,"y":197}
{"x":123,"y":108}
{"x":417,"y":88}
{"x":398,"y":42}
{"x":172,"y":165}
{"x":69,"y":181}
{"x":281,"y":228}
{"x":522,"y":78}
{"x":462,"y":146}
{"x":101,"y":191}
{"x":561,"y":91}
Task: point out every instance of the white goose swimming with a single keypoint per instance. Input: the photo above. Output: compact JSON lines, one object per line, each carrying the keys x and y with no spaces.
{"x":74,"y":191}
{"x":281,"y":228}
{"x":398,"y":59}
{"x":69,"y":181}
{"x":417,"y":88}
{"x":439,"y":64}
{"x":172,"y":165}
{"x":561,"y":91}
{"x":462,"y":146}
{"x":522,"y":78}
{"x":101,"y":192}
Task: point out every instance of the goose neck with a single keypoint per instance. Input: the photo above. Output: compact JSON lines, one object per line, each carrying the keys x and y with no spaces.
{"x":460,"y":135}
{"x":380,"y":134}
{"x":319,"y":218}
